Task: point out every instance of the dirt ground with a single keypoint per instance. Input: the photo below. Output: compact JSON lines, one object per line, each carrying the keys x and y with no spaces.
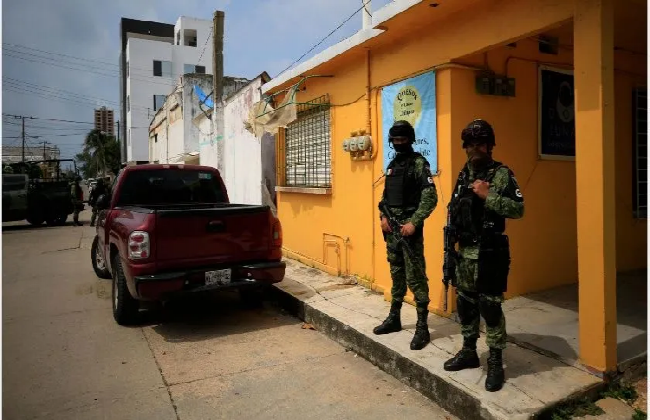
{"x":641,"y":387}
{"x":638,"y":378}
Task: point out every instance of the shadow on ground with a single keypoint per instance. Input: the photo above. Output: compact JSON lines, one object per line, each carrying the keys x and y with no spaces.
{"x":26,"y":226}
{"x":203,"y":316}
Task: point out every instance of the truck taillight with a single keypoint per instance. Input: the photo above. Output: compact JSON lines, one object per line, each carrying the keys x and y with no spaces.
{"x":139,"y":245}
{"x":276,"y":234}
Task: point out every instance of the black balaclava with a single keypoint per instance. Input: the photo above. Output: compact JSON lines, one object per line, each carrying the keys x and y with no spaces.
{"x":403,"y":129}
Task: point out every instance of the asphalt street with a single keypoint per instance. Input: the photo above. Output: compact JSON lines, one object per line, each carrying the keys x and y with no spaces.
{"x":204,"y":357}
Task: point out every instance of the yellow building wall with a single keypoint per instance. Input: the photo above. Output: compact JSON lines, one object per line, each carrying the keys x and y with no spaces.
{"x":543,"y":243}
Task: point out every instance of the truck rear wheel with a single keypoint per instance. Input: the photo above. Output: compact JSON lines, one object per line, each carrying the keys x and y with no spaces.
{"x":35,"y":219}
{"x":99,"y":262}
{"x":125,"y":308}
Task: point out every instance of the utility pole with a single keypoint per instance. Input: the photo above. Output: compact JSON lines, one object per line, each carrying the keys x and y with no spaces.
{"x":217,"y":85}
{"x":23,"y":118}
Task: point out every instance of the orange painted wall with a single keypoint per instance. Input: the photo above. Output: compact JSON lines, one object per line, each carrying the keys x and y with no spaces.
{"x":544,"y":242}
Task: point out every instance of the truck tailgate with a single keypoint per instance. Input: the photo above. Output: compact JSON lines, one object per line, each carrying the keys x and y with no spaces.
{"x":226,"y":233}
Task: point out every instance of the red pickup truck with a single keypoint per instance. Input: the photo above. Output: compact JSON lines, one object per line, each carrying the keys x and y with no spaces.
{"x":170,"y":229}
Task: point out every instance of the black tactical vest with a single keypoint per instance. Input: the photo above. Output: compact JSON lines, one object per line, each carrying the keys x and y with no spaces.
{"x":468,"y":213}
{"x":402,"y":187}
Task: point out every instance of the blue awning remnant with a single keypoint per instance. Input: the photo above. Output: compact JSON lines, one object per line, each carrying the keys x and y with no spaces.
{"x":203,"y":97}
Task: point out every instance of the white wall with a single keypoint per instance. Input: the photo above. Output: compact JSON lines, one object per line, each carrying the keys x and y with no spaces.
{"x":242,"y":150}
{"x":190,"y":55}
{"x":142,"y":85}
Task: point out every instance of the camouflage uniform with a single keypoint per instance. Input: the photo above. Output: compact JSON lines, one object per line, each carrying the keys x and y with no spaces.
{"x":410,"y":183}
{"x":506,"y":200}
{"x":477,"y":218}
{"x":77,"y":204}
{"x":403,"y":271}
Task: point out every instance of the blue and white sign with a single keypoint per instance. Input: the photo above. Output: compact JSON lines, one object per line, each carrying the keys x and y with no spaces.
{"x":413,"y":100}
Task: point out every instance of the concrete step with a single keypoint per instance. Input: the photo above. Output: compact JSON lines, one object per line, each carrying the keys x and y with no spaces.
{"x":348,"y":313}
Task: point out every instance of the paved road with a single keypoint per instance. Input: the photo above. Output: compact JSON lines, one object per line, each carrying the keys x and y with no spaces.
{"x":203,"y":358}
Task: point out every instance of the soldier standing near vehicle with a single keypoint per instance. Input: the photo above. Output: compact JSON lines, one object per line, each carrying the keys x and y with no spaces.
{"x":410,"y":196}
{"x":77,"y":200}
{"x":100,"y":189}
{"x":486,"y":193}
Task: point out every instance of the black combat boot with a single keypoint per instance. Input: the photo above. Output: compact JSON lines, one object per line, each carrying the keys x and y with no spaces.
{"x":421,"y":337}
{"x":392,"y":323}
{"x":495,"y":374}
{"x":466,"y":358}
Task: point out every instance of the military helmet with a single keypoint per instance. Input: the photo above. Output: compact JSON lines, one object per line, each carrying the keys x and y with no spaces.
{"x":402,"y":128}
{"x":478,"y":131}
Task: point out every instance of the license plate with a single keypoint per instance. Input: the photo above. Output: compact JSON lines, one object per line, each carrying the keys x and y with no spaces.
{"x":219,"y":277}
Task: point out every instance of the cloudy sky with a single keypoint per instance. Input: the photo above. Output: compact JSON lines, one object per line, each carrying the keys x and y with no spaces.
{"x":60,"y":57}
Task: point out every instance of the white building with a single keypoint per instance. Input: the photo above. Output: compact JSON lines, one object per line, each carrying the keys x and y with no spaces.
{"x":248,"y":161}
{"x":154,"y":56}
{"x":179,"y":125}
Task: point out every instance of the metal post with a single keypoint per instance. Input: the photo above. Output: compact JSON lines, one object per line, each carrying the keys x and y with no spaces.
{"x":217,"y":82}
{"x":366,"y":15}
{"x":23,"y":118}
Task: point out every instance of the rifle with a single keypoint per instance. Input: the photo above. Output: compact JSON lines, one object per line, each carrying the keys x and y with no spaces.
{"x":395,"y":230}
{"x":451,"y":256}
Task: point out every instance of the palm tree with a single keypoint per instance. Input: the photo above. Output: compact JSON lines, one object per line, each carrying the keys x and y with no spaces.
{"x":95,"y":145}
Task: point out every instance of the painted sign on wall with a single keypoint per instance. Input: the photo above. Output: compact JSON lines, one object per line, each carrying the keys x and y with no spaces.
{"x":557,"y":113}
{"x":413,"y":100}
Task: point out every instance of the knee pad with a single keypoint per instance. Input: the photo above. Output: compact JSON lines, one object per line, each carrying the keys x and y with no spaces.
{"x":491,"y":312}
{"x":467,"y":311}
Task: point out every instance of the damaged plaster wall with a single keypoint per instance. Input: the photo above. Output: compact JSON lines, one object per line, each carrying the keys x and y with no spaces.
{"x":242,"y":150}
{"x":210,"y":151}
{"x":191,"y":110}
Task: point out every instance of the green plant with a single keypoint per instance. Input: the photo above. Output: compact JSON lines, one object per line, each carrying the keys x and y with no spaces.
{"x":639,"y":415}
{"x":577,"y":408}
{"x":620,"y":391}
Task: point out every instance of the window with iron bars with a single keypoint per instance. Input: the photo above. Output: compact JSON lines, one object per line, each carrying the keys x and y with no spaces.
{"x":307,"y":148}
{"x":640,"y":177}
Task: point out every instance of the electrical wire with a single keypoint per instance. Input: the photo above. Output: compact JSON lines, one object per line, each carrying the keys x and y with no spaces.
{"x":323,"y":40}
{"x":206,"y":43}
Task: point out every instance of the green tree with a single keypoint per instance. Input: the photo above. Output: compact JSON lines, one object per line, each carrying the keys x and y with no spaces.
{"x":101,"y":154}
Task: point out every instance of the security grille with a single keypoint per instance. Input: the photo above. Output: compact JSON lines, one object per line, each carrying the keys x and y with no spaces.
{"x":641,"y":153}
{"x":308,"y":146}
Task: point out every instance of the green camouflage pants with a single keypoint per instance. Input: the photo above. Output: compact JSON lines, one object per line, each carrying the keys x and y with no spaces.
{"x":472,"y":305}
{"x":76,"y":204}
{"x":405,"y":270}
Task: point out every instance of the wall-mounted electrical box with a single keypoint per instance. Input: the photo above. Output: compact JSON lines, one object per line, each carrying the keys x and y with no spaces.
{"x":488,"y":84}
{"x":359,"y":145}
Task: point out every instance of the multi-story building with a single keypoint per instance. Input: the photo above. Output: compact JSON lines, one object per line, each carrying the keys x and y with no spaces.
{"x":104,"y":120}
{"x":153,"y":57}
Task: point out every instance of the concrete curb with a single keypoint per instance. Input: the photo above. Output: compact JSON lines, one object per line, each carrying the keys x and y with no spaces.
{"x":417,"y":377}
{"x":450,"y":394}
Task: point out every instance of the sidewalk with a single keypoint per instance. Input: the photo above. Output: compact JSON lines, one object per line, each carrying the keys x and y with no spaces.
{"x":348,"y":313}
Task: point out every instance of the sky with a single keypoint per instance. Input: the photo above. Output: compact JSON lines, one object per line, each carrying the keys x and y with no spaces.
{"x":60,"y":57}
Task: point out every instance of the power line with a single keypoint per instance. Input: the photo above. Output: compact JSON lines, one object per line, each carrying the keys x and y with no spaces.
{"x":55,"y":120}
{"x":100,"y":72}
{"x":60,"y":93}
{"x":327,"y":36}
{"x":206,"y":44}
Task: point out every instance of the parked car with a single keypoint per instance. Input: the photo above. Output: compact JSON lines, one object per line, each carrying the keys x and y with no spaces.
{"x":166,"y":230}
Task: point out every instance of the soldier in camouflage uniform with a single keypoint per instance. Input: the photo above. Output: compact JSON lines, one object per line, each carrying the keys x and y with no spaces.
{"x":486,"y":193}
{"x":411,"y":196}
{"x":77,"y":200}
